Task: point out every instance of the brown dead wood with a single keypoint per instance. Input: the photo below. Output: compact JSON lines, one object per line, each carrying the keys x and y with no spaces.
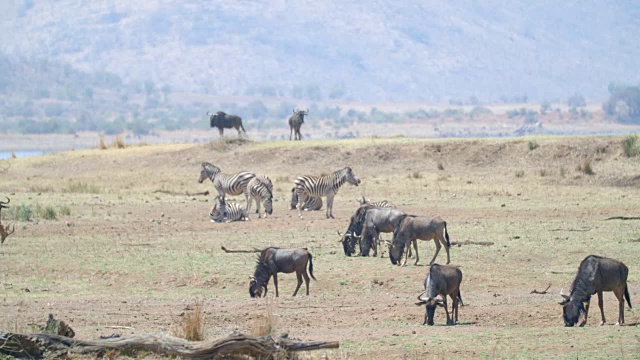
{"x":255,"y":250}
{"x":47,"y":345}
{"x":540,"y":292}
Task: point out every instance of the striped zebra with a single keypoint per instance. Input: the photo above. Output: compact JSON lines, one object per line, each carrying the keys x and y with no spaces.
{"x":232,"y":184}
{"x":383,"y":203}
{"x":223,"y":211}
{"x":318,"y":186}
{"x":260,"y":188}
{"x":312,"y":203}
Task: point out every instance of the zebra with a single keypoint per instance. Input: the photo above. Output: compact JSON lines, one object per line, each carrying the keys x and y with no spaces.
{"x":312,"y":203}
{"x":232,"y":184}
{"x":382,"y":203}
{"x":318,"y":186}
{"x":260,"y":188}
{"x":223,"y":211}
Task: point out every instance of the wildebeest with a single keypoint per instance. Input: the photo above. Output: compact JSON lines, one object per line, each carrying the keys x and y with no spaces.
{"x":418,"y":228}
{"x":312,"y":203}
{"x":595,"y":275}
{"x":354,"y":231}
{"x":227,"y":211}
{"x":295,"y":122}
{"x":10,"y":229}
{"x":443,"y":280}
{"x":223,"y":121}
{"x":378,"y":220}
{"x":272,"y":261}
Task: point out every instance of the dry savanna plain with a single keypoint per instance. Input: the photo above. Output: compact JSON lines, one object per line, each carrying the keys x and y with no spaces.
{"x":134,"y":246}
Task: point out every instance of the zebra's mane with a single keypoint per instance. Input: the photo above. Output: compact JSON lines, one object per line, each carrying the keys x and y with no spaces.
{"x":210,"y":168}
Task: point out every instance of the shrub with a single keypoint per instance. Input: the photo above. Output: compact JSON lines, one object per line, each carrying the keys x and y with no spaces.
{"x":48,"y":213}
{"x":440,"y":166}
{"x":533,"y":145}
{"x":415,"y":175}
{"x":25,"y":213}
{"x":520,"y":173}
{"x":64,"y":211}
{"x":630,"y":146}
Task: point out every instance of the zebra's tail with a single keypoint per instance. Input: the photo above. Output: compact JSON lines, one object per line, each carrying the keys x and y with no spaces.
{"x":446,"y":235}
{"x":311,"y":267}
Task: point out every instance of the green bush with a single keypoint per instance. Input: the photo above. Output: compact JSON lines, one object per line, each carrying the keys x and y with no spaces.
{"x":49,"y":213}
{"x":25,"y":213}
{"x":64,"y":211}
{"x":630,"y":146}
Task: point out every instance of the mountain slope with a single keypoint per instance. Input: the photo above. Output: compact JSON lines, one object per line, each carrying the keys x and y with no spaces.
{"x":378,"y":50}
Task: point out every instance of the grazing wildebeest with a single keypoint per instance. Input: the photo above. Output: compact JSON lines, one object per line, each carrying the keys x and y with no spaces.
{"x":232,"y":184}
{"x":272,"y":261}
{"x":595,"y":275}
{"x":378,"y":220}
{"x":295,"y":122}
{"x":260,"y":188}
{"x":354,"y":231}
{"x":223,"y":121}
{"x":312,"y":203}
{"x":418,"y":228}
{"x":318,"y":186}
{"x":10,"y":229}
{"x":441,"y":280}
{"x":227,"y":211}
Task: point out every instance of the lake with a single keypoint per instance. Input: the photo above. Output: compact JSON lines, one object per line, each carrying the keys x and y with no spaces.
{"x":8,"y":154}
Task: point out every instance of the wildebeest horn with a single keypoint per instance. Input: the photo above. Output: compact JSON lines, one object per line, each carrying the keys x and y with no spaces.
{"x":2,"y":203}
{"x":294,"y":110}
{"x":567,"y":297}
{"x":307,"y":110}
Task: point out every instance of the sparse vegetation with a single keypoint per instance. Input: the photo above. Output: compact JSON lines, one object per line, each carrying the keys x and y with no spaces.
{"x":64,"y":211}
{"x":519,"y":173}
{"x":81,"y":188}
{"x":48,"y":213}
{"x":631,"y":146}
{"x":440,"y":166}
{"x":415,"y":175}
{"x":192,"y":325}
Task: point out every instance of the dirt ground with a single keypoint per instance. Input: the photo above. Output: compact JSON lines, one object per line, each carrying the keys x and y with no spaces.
{"x":138,"y":249}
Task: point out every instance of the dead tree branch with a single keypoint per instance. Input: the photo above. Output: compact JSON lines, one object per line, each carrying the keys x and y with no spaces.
{"x":46,"y":345}
{"x":540,"y":292}
{"x":255,"y":250}
{"x":572,"y":229}
{"x":623,"y":218}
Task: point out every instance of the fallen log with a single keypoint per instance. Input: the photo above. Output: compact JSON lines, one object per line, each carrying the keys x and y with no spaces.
{"x":623,"y":218}
{"x":47,"y":345}
{"x":255,"y":250}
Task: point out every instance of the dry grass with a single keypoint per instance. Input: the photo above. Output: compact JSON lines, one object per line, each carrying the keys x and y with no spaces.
{"x":102,"y":145}
{"x":440,"y":166}
{"x":585,"y":167}
{"x":263,"y":324}
{"x":192,"y":325}
{"x":118,"y":143}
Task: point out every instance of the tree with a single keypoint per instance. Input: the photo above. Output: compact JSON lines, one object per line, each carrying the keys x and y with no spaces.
{"x":624,"y":104}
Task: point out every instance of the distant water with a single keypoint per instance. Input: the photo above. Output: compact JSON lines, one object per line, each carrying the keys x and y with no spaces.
{"x":8,"y":155}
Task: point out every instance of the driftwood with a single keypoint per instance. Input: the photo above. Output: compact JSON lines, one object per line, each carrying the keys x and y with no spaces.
{"x":623,"y":218}
{"x":255,"y":250}
{"x":540,"y":292}
{"x":46,"y":345}
{"x":469,"y":242}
